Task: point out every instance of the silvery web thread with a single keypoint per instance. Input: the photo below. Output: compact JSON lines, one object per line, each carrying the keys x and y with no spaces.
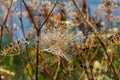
{"x":56,"y":48}
{"x":57,"y":38}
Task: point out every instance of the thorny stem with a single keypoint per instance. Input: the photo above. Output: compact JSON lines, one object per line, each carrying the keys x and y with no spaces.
{"x":95,"y":32}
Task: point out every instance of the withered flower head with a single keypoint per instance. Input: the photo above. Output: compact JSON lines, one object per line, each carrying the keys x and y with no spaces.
{"x":57,"y":41}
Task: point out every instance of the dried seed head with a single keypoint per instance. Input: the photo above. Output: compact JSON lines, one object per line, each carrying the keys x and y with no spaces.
{"x":57,"y":42}
{"x":25,"y":40}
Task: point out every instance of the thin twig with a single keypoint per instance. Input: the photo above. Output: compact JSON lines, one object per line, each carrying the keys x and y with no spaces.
{"x":57,"y":70}
{"x":80,"y":78}
{"x":23,"y":33}
{"x":23,"y":64}
{"x":29,"y":12}
{"x":4,"y":24}
{"x":119,"y":69}
{"x":28,"y":57}
{"x":48,"y":15}
{"x":85,"y":68}
{"x":21,"y":15}
{"x":22,"y":27}
{"x":107,"y":69}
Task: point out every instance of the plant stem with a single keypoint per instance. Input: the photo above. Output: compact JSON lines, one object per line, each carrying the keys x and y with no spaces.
{"x":57,"y":70}
{"x":37,"y":56}
{"x":4,"y":24}
{"x":24,"y":66}
{"x":38,"y":35}
{"x":41,"y":25}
